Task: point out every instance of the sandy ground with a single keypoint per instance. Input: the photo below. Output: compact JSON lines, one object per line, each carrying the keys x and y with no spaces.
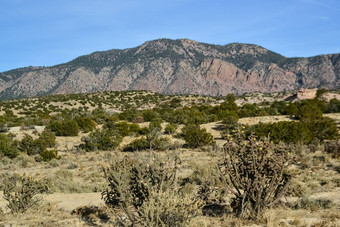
{"x":70,"y":201}
{"x":67,"y":201}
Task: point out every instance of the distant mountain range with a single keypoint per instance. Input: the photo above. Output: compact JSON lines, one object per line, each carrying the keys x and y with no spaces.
{"x":176,"y":67}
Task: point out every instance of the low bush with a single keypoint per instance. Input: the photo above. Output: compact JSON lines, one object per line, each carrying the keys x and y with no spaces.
{"x":3,"y":125}
{"x":103,"y":139}
{"x":64,"y":128}
{"x":86,"y":124}
{"x":303,"y":131}
{"x":47,"y":139}
{"x":31,"y":147}
{"x":124,"y":128}
{"x":323,"y":128}
{"x":48,"y":155}
{"x":286,"y":131}
{"x":28,"y":145}
{"x":195,"y":137}
{"x":137,"y":145}
{"x":229,"y":122}
{"x":7,"y":146}
{"x":142,"y":144}
{"x":170,"y":129}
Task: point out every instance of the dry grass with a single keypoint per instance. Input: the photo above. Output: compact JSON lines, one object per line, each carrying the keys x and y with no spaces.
{"x":80,"y":173}
{"x":76,"y":179}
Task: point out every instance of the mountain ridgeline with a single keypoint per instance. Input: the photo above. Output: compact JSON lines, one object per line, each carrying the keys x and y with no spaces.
{"x":176,"y":67}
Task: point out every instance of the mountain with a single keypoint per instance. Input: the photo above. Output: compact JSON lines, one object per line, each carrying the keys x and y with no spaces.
{"x":176,"y":67}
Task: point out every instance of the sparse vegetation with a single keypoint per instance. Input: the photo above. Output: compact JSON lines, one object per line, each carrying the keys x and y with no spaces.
{"x":20,"y":192}
{"x":211,"y":185}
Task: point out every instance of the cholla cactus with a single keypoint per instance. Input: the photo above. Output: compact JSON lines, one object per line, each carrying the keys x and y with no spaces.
{"x":256,"y":173}
{"x":147,"y":192}
{"x":20,"y":191}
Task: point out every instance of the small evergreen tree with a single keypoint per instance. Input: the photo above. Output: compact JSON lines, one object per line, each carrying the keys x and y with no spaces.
{"x":195,"y":137}
{"x":7,"y":147}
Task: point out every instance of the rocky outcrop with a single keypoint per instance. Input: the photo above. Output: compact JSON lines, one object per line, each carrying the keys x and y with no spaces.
{"x":305,"y":93}
{"x":176,"y":67}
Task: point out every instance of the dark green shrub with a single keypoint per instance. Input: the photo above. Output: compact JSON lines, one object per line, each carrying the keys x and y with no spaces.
{"x":149,"y":115}
{"x":256,"y":173}
{"x":249,"y":110}
{"x":170,"y":129}
{"x":229,"y":122}
{"x":28,"y":145}
{"x":122,"y":127}
{"x":333,"y":106}
{"x":20,"y":192}
{"x":99,"y":115}
{"x":309,"y":112}
{"x":48,"y":155}
{"x":144,"y":131}
{"x":32,"y":147}
{"x":135,"y":129}
{"x":104,"y":139}
{"x":110,"y":122}
{"x":292,"y":109}
{"x":229,"y":103}
{"x":292,"y":132}
{"x":323,"y":128}
{"x":46,"y":139}
{"x":195,"y":137}
{"x":64,"y":128}
{"x":155,"y":125}
{"x":279,"y":107}
{"x":320,"y":92}
{"x":144,"y":144}
{"x":86,"y":124}
{"x":129,"y":114}
{"x":3,"y":125}
{"x":137,"y":145}
{"x":7,"y":146}
{"x":286,"y":131}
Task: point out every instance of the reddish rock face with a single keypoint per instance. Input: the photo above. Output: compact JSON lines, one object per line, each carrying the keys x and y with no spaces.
{"x":305,"y":93}
{"x":177,"y":67}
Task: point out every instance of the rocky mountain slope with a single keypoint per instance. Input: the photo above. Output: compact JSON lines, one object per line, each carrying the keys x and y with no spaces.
{"x":176,"y":67}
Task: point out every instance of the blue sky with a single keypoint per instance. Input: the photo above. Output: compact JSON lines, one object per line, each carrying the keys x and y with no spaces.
{"x":46,"y":32}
